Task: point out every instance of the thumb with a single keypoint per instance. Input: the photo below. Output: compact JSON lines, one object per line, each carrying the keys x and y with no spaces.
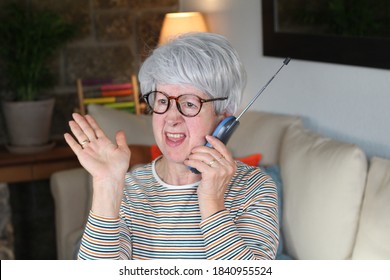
{"x":120,"y":138}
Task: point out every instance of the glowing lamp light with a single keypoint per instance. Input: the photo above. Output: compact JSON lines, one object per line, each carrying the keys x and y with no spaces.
{"x":178,"y":23}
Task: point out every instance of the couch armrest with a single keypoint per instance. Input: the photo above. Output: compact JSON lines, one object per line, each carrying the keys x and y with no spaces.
{"x":72,"y":198}
{"x":72,"y":193}
{"x":373,"y":238}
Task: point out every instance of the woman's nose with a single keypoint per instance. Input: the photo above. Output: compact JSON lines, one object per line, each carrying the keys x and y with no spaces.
{"x":173,"y":112}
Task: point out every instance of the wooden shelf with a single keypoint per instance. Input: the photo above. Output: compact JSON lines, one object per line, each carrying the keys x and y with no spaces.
{"x":30,"y":167}
{"x":15,"y":168}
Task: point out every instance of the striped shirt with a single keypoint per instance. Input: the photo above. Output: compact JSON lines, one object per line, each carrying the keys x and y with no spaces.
{"x":162,"y":221}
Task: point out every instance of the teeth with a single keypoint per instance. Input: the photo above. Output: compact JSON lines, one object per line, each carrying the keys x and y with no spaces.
{"x":176,"y":135}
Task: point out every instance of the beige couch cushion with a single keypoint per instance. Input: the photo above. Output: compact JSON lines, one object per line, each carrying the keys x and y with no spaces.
{"x":323,"y":185}
{"x":373,"y":239}
{"x":138,"y":129}
{"x":261,"y":132}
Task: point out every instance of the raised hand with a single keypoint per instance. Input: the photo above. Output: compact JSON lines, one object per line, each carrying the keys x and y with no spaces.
{"x":107,"y":162}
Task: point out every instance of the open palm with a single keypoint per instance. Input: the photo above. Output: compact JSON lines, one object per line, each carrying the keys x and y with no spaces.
{"x":99,"y":156}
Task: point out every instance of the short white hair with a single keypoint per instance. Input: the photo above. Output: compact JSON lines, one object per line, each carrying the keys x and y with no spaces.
{"x":206,"y":61}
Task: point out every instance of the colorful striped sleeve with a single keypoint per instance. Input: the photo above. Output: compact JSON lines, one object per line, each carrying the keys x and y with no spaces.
{"x":100,"y":239}
{"x":253,"y":233}
{"x":105,"y":238}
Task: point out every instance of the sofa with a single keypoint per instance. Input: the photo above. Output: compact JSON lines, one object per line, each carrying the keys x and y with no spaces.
{"x":334,"y":202}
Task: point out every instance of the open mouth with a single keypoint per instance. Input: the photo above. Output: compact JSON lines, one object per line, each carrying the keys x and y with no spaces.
{"x":175,"y":139}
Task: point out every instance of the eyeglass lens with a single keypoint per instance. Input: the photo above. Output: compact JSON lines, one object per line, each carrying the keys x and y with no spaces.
{"x":188,"y":104}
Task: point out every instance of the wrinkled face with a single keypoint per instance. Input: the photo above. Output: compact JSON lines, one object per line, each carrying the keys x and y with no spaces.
{"x":175,"y":134}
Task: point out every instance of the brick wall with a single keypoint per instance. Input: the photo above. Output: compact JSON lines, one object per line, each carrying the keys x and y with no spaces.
{"x":114,"y":37}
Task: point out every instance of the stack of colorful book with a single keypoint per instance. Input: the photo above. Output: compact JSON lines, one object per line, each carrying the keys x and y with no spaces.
{"x":119,"y":96}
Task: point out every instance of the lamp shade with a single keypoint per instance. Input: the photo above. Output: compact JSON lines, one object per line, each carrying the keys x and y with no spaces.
{"x":178,"y":23}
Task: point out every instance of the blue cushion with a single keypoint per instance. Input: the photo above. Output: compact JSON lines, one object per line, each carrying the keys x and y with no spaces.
{"x":274,"y":172}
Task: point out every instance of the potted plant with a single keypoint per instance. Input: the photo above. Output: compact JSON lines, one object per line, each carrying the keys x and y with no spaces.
{"x":29,"y":39}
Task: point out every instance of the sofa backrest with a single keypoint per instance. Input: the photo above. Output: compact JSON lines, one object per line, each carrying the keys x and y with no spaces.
{"x":323,"y":186}
{"x":138,"y":128}
{"x":261,"y":132}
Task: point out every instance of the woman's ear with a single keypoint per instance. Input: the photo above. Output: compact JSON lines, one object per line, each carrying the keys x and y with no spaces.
{"x":223,"y":116}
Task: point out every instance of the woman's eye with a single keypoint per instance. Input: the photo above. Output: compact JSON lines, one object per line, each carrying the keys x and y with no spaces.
{"x":189,"y":105}
{"x":162,"y":101}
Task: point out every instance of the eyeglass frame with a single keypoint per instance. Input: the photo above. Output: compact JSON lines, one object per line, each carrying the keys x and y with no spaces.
{"x":201,"y":100}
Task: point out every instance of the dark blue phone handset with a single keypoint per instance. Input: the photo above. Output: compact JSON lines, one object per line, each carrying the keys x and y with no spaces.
{"x":225,"y":129}
{"x":228,"y":125}
{"x":223,"y":132}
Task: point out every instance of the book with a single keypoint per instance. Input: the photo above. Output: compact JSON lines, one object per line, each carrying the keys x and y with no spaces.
{"x":119,"y":92}
{"x":96,"y":91}
{"x":108,"y":99}
{"x":99,"y":100}
{"x":119,"y":105}
{"x":91,"y":93}
{"x":106,"y":92}
{"x":116,"y":86}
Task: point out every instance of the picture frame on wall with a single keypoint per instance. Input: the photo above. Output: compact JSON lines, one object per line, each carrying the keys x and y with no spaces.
{"x":307,"y":37}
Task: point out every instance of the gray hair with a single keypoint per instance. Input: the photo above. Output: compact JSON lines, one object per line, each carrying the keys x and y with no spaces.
{"x":206,"y":61}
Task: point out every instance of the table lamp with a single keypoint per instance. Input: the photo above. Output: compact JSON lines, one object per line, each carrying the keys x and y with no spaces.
{"x":178,"y":23}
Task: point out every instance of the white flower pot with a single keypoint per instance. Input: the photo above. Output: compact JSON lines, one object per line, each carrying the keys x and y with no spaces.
{"x":28,"y":122}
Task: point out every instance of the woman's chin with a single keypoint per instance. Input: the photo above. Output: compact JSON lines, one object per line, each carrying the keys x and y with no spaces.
{"x":175,"y":157}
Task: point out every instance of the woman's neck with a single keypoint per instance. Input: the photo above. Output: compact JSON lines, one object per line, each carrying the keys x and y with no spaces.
{"x":175,"y":173}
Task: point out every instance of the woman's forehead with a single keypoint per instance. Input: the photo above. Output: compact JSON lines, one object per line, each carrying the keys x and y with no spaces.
{"x":178,"y":89}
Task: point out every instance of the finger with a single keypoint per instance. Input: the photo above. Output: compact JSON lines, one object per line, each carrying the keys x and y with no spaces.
{"x":207,"y":154}
{"x":202,"y":160}
{"x":79,"y":134}
{"x":85,"y":126}
{"x":202,"y":155}
{"x":211,"y":158}
{"x":197,"y":164}
{"x":216,"y":143}
{"x":220,"y":148}
{"x":73,"y":144}
{"x":121,"y":139}
{"x":97,"y":130}
{"x":213,"y":163}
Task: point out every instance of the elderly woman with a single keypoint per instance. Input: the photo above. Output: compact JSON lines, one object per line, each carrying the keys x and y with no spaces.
{"x":164,"y":210}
